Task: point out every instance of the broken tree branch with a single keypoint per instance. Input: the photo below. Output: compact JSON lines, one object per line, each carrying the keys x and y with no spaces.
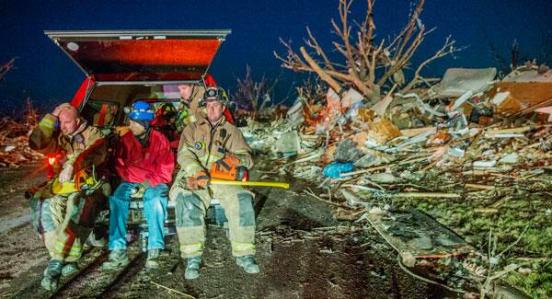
{"x":362,"y":55}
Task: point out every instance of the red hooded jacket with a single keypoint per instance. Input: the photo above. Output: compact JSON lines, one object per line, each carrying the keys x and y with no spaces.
{"x":135,"y":163}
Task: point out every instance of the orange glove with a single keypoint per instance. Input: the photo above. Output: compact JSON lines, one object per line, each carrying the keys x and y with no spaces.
{"x":198,"y":180}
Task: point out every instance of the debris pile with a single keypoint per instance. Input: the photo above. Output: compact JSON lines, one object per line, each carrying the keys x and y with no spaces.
{"x":14,"y":139}
{"x":472,"y":152}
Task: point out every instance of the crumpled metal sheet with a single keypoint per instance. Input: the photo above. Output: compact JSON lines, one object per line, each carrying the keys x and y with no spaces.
{"x":458,"y":81}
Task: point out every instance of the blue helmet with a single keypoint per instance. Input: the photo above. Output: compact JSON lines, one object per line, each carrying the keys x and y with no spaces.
{"x":141,"y":111}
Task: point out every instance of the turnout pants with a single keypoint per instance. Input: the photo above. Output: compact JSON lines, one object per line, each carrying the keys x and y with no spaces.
{"x":48,"y":215}
{"x":191,"y":207}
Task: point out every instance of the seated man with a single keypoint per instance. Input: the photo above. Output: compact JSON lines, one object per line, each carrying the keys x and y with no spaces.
{"x":208,"y":141}
{"x":60,"y":211}
{"x":145,"y":163}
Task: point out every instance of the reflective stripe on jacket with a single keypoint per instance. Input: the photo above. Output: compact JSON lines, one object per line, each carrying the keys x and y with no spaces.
{"x":201,"y":144}
{"x":85,"y":148}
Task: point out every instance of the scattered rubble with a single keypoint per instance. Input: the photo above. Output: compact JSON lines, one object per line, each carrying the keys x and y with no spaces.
{"x":14,"y":142}
{"x":490,"y":172}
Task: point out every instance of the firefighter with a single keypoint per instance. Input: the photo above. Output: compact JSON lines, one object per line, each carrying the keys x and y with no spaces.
{"x":190,"y":96}
{"x":145,"y":163}
{"x":60,"y":212}
{"x":207,"y":141}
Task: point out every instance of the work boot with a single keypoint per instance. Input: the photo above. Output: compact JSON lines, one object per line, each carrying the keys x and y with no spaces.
{"x":69,"y":269}
{"x":192,"y":267}
{"x":51,"y":275}
{"x":152,"y":261}
{"x":117,"y":259}
{"x":248,"y":264}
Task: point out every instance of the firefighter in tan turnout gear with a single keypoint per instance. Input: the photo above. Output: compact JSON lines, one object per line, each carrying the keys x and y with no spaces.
{"x":190,"y":96}
{"x":64,"y":210}
{"x":203,"y":143}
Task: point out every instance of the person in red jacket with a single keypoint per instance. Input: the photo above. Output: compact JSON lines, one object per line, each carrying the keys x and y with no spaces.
{"x":145,"y":163}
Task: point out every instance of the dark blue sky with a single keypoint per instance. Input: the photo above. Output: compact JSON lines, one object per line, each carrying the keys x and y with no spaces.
{"x":46,"y":75}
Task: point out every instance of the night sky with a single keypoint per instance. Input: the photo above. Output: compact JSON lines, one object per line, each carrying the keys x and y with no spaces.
{"x":47,"y":76}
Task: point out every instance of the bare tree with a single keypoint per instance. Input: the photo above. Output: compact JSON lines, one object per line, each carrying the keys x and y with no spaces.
{"x":363,"y":55}
{"x":253,"y":95}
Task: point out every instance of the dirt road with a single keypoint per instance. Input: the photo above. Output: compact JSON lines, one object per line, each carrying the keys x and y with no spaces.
{"x":302,"y":250}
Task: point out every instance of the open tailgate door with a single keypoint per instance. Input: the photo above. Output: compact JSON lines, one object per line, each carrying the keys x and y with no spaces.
{"x":138,"y":56}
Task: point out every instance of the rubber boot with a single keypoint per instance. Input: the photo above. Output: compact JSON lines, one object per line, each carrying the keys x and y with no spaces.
{"x":117,"y":259}
{"x":152,"y":261}
{"x":248,"y":264}
{"x":192,"y":267}
{"x":51,"y":275}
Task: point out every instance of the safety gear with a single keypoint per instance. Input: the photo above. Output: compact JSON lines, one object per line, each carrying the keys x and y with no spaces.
{"x":202,"y":144}
{"x":90,"y":148}
{"x":136,"y":163}
{"x":214,"y":94}
{"x":140,"y":111}
{"x":117,"y":259}
{"x":166,"y":111}
{"x":198,"y":180}
{"x":229,"y":168}
{"x":50,"y":212}
{"x":192,"y":267}
{"x":152,"y":261}
{"x":248,"y":264}
{"x":51,"y":275}
{"x":69,"y":269}
{"x":81,"y":182}
{"x":191,"y":208}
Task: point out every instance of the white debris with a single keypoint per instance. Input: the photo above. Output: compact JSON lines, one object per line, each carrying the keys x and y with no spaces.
{"x":9,"y":148}
{"x":458,"y":81}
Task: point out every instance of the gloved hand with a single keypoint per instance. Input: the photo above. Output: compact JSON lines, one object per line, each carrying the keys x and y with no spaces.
{"x":198,"y":180}
{"x":228,"y":162}
{"x":66,"y":173}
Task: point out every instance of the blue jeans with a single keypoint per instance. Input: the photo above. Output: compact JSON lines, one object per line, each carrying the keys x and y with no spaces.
{"x":155,"y":211}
